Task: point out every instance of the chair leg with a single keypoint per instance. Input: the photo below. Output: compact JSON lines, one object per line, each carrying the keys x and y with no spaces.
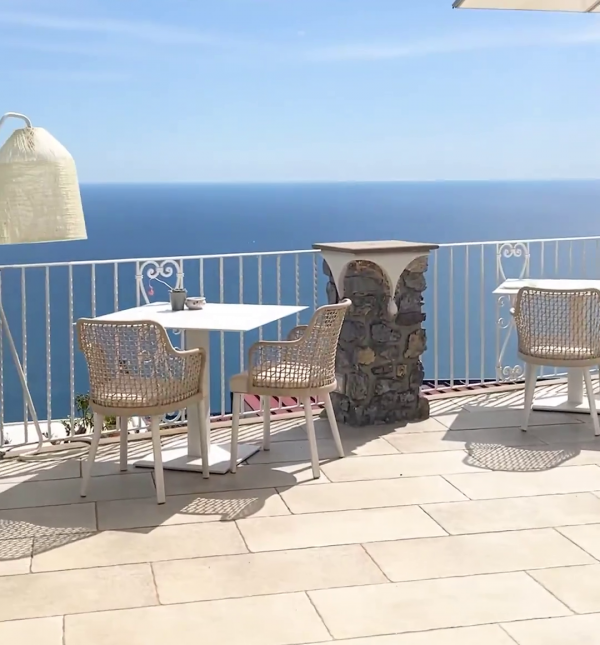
{"x":592,"y":401}
{"x":159,"y":475}
{"x":89,"y":464}
{"x":530,"y":380}
{"x":266,"y":408}
{"x":235,"y":425}
{"x":204,"y":450}
{"x":207,"y":428}
{"x":123,"y":425}
{"x":333,"y":424}
{"x":312,"y":439}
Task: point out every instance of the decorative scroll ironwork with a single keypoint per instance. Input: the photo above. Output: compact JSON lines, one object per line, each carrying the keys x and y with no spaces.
{"x":151,"y":270}
{"x":519,"y":252}
{"x":161,"y":271}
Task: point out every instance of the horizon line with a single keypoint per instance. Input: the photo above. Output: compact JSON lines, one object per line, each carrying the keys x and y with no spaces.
{"x":334,"y":181}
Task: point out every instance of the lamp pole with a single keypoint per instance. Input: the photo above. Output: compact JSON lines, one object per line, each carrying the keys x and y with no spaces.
{"x":11,"y":342}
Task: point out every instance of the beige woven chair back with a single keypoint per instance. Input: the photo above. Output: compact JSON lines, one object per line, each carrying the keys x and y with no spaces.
{"x":133,"y":365}
{"x":306,"y":361}
{"x":318,"y":346}
{"x":558,"y":325}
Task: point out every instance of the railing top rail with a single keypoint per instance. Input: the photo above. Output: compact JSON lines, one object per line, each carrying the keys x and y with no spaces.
{"x":534,"y":241}
{"x":216,"y":256}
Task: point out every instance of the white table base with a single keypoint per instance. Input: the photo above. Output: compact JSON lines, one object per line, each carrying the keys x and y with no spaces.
{"x":574,"y":401}
{"x":219,"y":458}
{"x":189,"y":459}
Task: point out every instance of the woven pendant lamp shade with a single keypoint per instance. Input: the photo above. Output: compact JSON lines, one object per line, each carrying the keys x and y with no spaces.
{"x":39,"y":191}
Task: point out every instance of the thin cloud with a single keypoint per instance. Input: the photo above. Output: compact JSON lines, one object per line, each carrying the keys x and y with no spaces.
{"x":124,"y":52}
{"x":67,"y":76}
{"x":145,"y":31}
{"x":455,"y":44}
{"x":60,"y":47}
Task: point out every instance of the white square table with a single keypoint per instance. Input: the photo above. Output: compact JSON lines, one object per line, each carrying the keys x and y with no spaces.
{"x":573,"y":401}
{"x":197,"y":326}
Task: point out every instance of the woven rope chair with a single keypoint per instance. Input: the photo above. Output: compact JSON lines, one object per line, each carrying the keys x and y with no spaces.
{"x":134,"y":370}
{"x":559,"y":328}
{"x":301,"y":366}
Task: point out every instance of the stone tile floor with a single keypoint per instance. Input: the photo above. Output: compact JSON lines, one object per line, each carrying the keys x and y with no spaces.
{"x":458,"y":530}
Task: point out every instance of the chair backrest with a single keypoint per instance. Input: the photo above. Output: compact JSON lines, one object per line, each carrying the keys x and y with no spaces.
{"x":318,"y":346}
{"x":558,"y":324}
{"x":134,"y":365}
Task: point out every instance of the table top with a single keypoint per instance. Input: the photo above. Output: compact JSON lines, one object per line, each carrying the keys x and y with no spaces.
{"x":213,"y":317}
{"x":511,"y":287}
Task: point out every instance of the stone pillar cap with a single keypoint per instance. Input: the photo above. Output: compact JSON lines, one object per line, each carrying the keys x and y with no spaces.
{"x":376,"y":246}
{"x":392,"y":257}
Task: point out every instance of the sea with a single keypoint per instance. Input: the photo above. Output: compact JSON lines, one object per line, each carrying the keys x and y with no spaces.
{"x":166,"y":220}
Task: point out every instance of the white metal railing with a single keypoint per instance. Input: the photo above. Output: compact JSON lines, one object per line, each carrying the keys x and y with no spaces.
{"x":467,"y":326}
{"x":43,"y":301}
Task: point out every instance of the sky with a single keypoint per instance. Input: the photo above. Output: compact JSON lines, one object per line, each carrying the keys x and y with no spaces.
{"x":305,"y":90}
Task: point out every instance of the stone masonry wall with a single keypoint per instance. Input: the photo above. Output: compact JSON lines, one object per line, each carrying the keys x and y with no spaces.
{"x":379,"y":370}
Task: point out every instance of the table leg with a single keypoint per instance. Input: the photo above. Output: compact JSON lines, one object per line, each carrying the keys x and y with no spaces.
{"x":575,"y":386}
{"x":573,"y":401}
{"x":189,"y":459}
{"x":194,"y":339}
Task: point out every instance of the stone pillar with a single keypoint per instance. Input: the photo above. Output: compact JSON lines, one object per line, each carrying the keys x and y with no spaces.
{"x":379,"y":370}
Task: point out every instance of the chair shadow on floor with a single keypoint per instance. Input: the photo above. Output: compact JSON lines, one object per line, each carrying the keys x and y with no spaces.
{"x":517,"y":451}
{"x":515,"y":459}
{"x":31,"y":492}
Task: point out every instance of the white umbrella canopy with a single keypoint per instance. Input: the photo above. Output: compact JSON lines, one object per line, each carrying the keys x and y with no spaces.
{"x":579,"y":6}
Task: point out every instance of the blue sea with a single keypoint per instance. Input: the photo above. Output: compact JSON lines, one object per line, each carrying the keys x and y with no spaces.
{"x":138,"y":221}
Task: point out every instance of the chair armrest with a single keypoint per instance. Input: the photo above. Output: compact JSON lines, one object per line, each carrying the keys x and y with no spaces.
{"x":297,"y":332}
{"x":192,"y":366}
{"x":188,"y":352}
{"x":182,"y":353}
{"x":271,"y":350}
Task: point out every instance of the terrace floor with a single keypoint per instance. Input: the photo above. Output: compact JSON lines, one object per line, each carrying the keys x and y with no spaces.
{"x":458,"y":530}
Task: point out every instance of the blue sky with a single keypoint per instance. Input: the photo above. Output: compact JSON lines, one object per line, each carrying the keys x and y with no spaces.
{"x":284,"y":90}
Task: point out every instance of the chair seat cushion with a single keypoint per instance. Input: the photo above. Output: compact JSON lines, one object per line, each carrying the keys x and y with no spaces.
{"x":292,"y":377}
